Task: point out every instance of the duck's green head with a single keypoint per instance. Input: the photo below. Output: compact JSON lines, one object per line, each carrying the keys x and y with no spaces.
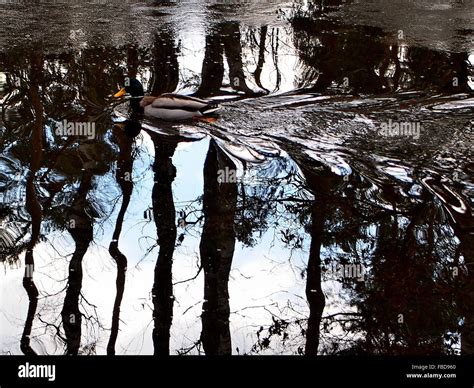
{"x":132,"y":87}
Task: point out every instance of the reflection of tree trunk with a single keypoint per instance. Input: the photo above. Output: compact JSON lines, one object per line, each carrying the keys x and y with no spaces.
{"x":217,"y":250}
{"x":165,"y":66}
{"x":408,"y":250}
{"x":80,"y":228}
{"x":165,"y":217}
{"x":314,"y":292}
{"x":275,"y":41}
{"x":212,"y":67}
{"x":123,"y":177}
{"x":462,"y":223}
{"x":322,"y":185}
{"x":32,"y":203}
{"x":261,"y":58}
{"x":233,"y":52}
{"x":463,"y":226}
{"x":225,"y":37}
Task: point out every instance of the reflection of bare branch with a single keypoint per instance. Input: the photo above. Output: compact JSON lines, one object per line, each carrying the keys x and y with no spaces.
{"x":48,"y":295}
{"x":196,"y":345}
{"x":190,"y":279}
{"x":190,"y":307}
{"x":57,"y":328}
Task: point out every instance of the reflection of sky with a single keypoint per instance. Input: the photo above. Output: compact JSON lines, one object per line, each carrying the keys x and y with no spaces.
{"x":267,"y":275}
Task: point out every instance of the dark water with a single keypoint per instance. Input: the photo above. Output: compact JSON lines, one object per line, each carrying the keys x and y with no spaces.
{"x":294,"y":224}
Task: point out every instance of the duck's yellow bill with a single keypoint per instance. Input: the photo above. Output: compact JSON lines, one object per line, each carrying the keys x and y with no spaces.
{"x":120,"y":93}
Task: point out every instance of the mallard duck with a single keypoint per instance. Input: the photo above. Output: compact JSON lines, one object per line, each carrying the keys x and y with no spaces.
{"x":168,"y":107}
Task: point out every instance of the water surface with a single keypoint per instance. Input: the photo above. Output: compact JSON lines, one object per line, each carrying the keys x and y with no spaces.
{"x":292,"y":225}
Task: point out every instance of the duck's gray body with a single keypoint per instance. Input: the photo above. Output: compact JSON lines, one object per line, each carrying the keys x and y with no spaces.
{"x":174,"y":107}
